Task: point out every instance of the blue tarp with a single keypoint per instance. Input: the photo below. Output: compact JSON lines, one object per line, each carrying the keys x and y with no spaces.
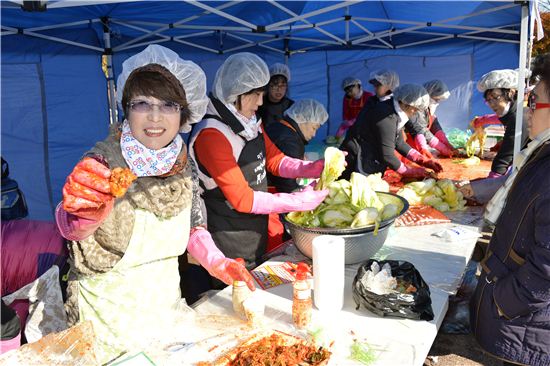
{"x":54,"y":95}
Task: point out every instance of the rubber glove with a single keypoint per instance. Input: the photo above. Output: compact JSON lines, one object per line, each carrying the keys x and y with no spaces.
{"x":443,"y":138}
{"x":420,"y":140}
{"x":346,"y":124}
{"x":494,"y":175}
{"x":305,"y":200}
{"x":419,"y":159}
{"x":202,"y":247}
{"x":296,"y":168}
{"x":410,"y":172}
{"x":441,"y":147}
{"x":86,"y":192}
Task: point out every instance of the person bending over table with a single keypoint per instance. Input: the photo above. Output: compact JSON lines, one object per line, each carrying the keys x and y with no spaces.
{"x":423,"y":130}
{"x":371,"y":143}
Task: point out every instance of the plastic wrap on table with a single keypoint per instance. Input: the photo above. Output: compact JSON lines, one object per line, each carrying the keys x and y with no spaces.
{"x":421,"y":215}
{"x":46,"y":311}
{"x":73,"y":346}
{"x":414,"y":305}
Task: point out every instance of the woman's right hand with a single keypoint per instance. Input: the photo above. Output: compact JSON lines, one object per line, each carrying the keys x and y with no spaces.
{"x":86,"y":192}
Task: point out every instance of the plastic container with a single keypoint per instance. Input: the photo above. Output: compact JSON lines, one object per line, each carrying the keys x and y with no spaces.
{"x":240,"y":293}
{"x":301,"y":300}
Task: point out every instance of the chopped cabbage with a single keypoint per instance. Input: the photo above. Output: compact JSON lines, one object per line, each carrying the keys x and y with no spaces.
{"x":334,"y":167}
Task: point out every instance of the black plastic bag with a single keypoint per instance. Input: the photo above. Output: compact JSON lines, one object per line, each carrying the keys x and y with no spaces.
{"x":415,"y":305}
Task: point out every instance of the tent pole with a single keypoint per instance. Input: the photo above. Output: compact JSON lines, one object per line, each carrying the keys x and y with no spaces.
{"x":108,"y":53}
{"x":521,"y":77}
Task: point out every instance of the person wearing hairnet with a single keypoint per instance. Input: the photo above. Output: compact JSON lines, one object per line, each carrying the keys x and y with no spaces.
{"x":384,"y":82}
{"x":354,"y":100}
{"x":124,"y":270}
{"x":423,"y":129}
{"x":234,"y":155}
{"x":375,"y":136}
{"x":499,"y":88}
{"x":275,"y":100}
{"x":298,"y":126}
{"x":510,"y":308}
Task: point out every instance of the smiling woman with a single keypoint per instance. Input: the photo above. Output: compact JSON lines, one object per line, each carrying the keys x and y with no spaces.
{"x":234,"y":156}
{"x":125,"y":241}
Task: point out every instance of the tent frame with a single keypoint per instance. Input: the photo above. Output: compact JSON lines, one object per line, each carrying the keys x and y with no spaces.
{"x":244,"y":31}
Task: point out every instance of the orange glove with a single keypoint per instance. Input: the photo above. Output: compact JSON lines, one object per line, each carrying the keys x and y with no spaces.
{"x":86,"y":192}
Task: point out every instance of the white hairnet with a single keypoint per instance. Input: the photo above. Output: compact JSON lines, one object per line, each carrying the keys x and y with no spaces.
{"x":412,"y":94}
{"x":496,"y":79}
{"x":189,"y":74}
{"x":437,"y":89}
{"x":307,"y":110}
{"x":386,"y":77}
{"x":239,"y":74}
{"x":350,"y":81}
{"x":279,"y":69}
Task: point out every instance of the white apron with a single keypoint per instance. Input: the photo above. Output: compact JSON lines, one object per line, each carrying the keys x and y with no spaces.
{"x":134,"y":300}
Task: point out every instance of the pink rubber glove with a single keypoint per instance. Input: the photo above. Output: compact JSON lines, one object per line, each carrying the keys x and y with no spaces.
{"x":86,"y":192}
{"x":202,"y":247}
{"x":419,"y":159}
{"x":443,"y":138}
{"x":410,"y":172}
{"x":346,"y":124}
{"x":296,"y":168}
{"x":441,"y":147}
{"x":494,"y":175}
{"x":77,"y":228}
{"x":423,"y":145}
{"x":267,"y":203}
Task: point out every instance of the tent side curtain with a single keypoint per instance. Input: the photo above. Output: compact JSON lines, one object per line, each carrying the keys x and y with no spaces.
{"x":54,"y":108}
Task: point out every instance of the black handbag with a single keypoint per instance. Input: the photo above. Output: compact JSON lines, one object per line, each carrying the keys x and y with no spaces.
{"x":13,"y":201}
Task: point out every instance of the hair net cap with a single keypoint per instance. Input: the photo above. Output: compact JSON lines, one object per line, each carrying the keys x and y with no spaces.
{"x":386,"y":77}
{"x":239,"y":74}
{"x":189,"y":74}
{"x":349,"y":82}
{"x":279,"y":69}
{"x":497,"y":79}
{"x":307,"y":111}
{"x":437,"y":89}
{"x":412,"y":94}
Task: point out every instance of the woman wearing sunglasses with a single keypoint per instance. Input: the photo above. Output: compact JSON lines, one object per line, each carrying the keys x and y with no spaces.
{"x":510,"y":309}
{"x":499,"y":90}
{"x":124,"y":274}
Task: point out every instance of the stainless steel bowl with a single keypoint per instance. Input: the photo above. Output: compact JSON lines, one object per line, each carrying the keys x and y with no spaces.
{"x":361,"y":243}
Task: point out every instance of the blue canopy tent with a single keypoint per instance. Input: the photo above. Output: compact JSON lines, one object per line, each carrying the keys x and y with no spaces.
{"x":57,"y":100}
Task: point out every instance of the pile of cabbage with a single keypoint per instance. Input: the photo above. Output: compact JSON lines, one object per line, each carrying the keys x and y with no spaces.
{"x":441,"y":194}
{"x":349,"y":204}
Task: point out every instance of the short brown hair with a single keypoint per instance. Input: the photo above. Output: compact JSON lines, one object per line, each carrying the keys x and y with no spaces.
{"x":156,"y":81}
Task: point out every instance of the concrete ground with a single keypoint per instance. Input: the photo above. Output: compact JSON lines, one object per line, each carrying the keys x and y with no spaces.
{"x":458,"y":350}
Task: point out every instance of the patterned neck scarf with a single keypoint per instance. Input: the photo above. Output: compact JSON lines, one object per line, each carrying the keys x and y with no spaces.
{"x":145,"y":162}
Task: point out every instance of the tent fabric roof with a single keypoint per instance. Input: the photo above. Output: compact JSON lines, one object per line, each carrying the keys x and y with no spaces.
{"x":279,"y":26}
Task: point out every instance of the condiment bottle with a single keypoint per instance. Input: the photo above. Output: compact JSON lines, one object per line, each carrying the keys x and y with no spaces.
{"x":240,"y":293}
{"x":301,"y":301}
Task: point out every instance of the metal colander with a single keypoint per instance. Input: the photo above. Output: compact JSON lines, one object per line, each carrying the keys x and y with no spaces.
{"x":360,"y":243}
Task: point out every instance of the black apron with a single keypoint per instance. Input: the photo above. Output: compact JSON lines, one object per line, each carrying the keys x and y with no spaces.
{"x":237,"y":234}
